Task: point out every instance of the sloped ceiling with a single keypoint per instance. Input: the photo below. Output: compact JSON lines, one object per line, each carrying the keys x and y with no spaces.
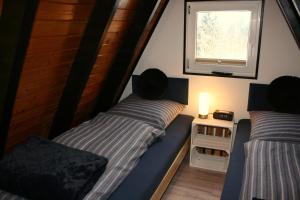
{"x":58,"y":31}
{"x":291,"y":11}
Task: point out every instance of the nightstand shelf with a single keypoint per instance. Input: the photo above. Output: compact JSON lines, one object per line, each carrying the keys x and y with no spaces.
{"x":214,"y":138}
{"x":213,"y":142}
{"x":211,"y":162}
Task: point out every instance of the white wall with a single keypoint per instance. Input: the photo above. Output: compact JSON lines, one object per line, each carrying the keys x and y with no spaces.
{"x":279,"y":55}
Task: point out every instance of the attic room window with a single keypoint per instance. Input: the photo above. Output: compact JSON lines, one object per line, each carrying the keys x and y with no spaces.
{"x":222,"y":38}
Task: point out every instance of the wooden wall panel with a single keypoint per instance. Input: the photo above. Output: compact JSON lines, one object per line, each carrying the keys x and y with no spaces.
{"x":139,"y":49}
{"x":144,"y":23}
{"x":93,"y":38}
{"x":1,"y":5}
{"x":113,"y":39}
{"x":50,"y":11}
{"x":56,"y":36}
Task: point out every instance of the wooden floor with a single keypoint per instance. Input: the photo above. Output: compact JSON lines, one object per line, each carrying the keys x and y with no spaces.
{"x":194,"y":184}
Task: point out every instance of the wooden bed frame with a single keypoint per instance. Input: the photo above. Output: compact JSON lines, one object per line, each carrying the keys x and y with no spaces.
{"x":162,"y":187}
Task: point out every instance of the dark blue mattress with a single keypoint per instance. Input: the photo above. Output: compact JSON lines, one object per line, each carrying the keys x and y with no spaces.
{"x":141,"y":183}
{"x":234,"y":176}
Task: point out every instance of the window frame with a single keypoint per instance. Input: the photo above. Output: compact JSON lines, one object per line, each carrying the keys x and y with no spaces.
{"x":214,"y":67}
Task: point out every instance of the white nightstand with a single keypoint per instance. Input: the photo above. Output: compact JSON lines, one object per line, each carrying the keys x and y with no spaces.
{"x":211,"y":142}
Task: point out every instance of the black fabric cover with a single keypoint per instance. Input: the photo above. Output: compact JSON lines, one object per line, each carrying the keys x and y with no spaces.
{"x":152,"y":84}
{"x":177,"y":90}
{"x":257,"y":99}
{"x":234,"y":175}
{"x":41,"y":169}
{"x":283,"y":94}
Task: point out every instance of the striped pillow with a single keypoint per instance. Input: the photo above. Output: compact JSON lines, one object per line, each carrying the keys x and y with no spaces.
{"x":158,"y":113}
{"x":269,"y":125}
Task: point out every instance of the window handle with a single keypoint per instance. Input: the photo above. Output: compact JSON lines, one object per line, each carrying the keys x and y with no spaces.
{"x":221,"y":73}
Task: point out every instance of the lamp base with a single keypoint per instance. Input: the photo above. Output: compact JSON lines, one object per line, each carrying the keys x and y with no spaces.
{"x":202,"y":116}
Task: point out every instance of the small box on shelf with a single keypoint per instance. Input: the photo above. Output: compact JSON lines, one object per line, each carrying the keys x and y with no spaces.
{"x":209,"y":151}
{"x":213,"y":131}
{"x":219,"y":132}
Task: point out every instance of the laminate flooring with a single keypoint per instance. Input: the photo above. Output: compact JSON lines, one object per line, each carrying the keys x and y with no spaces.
{"x":194,"y":184}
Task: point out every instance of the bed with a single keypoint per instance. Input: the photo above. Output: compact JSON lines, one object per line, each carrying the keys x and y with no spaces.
{"x":151,"y":175}
{"x":265,"y":160}
{"x":158,"y":165}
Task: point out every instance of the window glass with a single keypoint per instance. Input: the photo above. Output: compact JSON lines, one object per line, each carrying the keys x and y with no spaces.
{"x":222,"y":35}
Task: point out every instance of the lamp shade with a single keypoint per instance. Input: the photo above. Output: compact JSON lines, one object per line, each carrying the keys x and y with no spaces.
{"x":203,"y":104}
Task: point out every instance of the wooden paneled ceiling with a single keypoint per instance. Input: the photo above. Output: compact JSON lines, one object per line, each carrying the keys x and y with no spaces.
{"x":54,"y":41}
{"x":57,"y":51}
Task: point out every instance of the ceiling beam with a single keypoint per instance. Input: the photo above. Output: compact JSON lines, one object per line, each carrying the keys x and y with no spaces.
{"x":290,"y":10}
{"x":90,"y":44}
{"x":16,"y":23}
{"x":145,"y":21}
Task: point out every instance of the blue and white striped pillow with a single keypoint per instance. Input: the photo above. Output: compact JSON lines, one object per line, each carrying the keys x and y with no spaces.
{"x":269,"y":125}
{"x":158,"y":113}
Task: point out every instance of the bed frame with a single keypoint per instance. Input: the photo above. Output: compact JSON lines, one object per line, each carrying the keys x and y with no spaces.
{"x":177,"y":91}
{"x":161,"y":173}
{"x":156,"y":168}
{"x":257,"y":100}
{"x":162,"y":187}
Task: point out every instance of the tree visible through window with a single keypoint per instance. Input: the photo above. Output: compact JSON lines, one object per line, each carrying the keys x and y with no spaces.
{"x":223,"y":35}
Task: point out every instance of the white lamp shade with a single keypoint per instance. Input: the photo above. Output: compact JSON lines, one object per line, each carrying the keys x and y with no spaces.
{"x":203,"y":103}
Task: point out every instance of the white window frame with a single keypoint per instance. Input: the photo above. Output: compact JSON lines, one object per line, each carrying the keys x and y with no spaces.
{"x":223,"y":68}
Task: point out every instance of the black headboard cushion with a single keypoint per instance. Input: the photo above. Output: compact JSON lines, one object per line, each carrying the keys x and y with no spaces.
{"x":257,"y":99}
{"x":284,"y":95}
{"x":152,"y":84}
{"x":177,"y":90}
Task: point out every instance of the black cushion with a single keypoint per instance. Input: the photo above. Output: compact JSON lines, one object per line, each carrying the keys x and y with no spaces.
{"x":283,"y":94}
{"x":152,"y":84}
{"x":41,"y":169}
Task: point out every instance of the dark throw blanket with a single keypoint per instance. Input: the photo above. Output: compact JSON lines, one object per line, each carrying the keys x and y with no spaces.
{"x":41,"y":169}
